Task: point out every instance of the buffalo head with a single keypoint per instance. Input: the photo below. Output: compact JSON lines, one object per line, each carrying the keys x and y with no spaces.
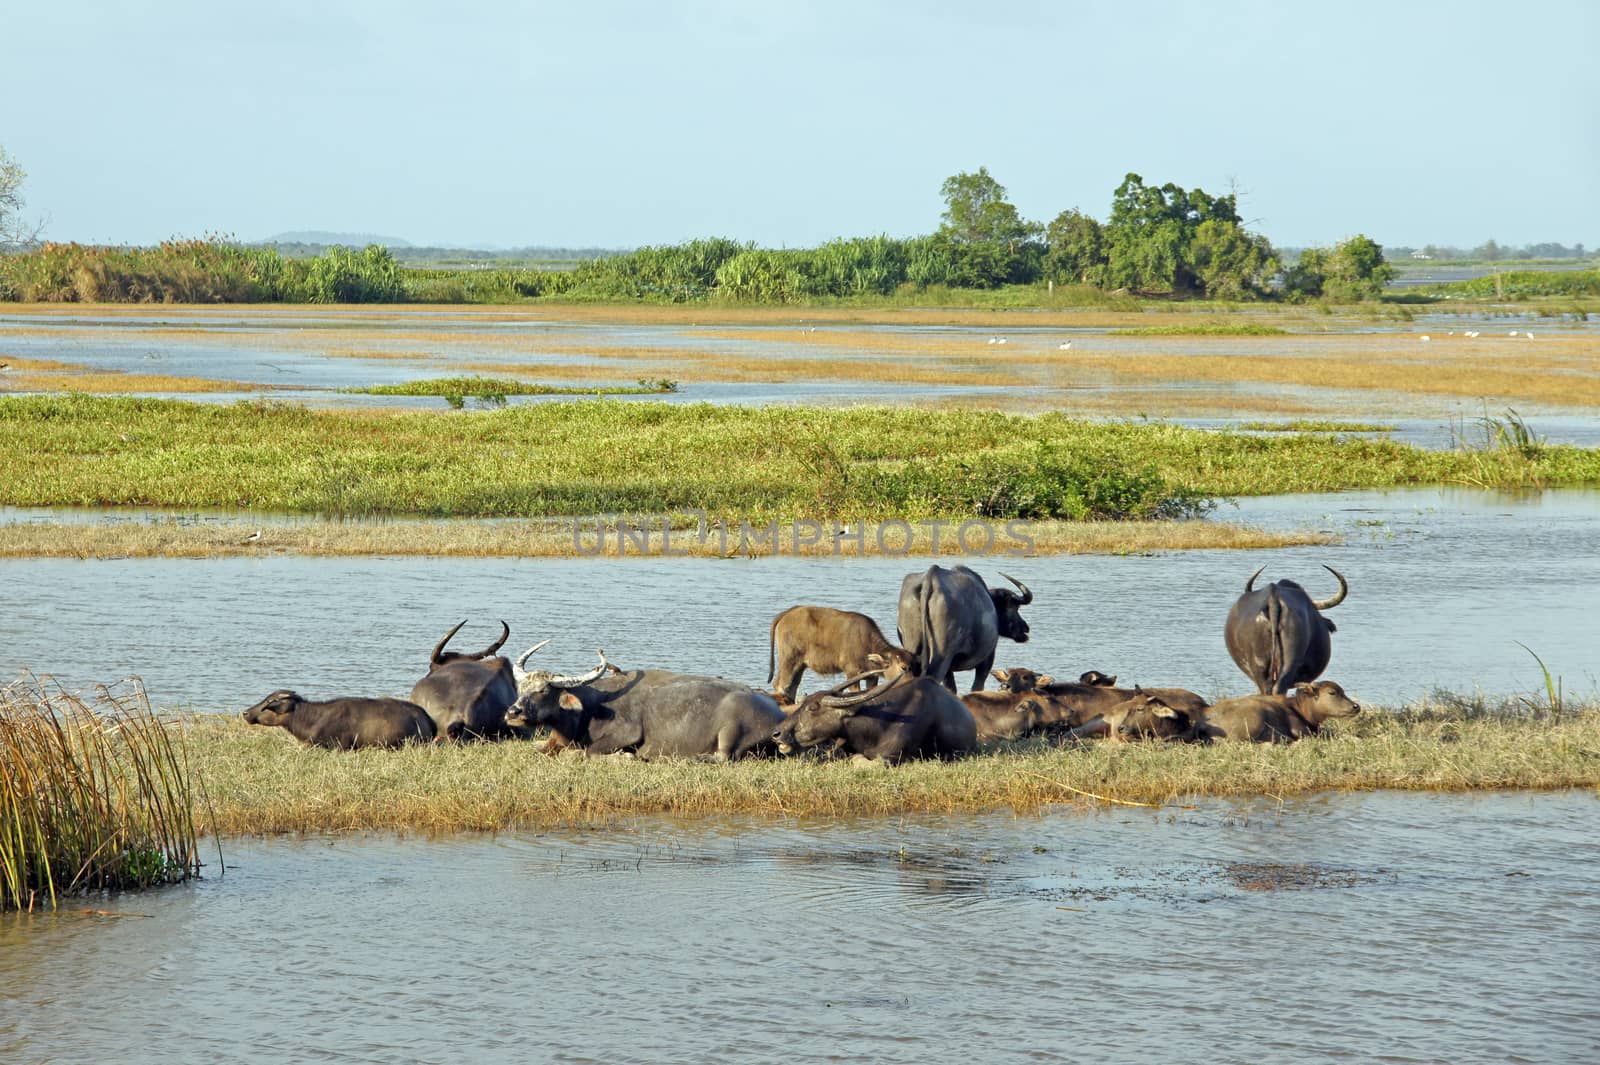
{"x":819,"y":718}
{"x":540,"y":693}
{"x":275,"y":709}
{"x":1007,"y":607}
{"x":1146,"y":716}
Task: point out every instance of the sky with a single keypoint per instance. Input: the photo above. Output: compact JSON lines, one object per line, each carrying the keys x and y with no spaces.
{"x":612,"y":124}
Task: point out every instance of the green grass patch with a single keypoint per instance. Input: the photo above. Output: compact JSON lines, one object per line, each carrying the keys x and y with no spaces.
{"x":604,"y":457}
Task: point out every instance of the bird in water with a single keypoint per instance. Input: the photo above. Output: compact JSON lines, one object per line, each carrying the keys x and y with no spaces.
{"x":252,"y":538}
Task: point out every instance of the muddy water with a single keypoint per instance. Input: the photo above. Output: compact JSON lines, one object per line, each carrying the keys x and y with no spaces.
{"x":1444,"y":587}
{"x":1360,"y":928}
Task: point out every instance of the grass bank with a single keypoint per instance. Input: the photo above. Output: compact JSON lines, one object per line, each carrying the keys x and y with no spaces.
{"x":263,"y":782}
{"x":457,"y":388}
{"x":587,"y":458}
{"x":543,"y":538}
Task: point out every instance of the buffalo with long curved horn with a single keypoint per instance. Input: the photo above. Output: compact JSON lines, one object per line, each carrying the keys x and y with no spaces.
{"x":951,"y":620}
{"x":1277,"y":634}
{"x":648,"y":712}
{"x":466,"y":694}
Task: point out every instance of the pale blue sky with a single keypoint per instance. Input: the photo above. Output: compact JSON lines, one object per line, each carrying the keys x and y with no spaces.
{"x":615,"y":124}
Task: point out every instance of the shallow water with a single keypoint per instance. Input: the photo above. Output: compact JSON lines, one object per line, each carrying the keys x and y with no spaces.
{"x":1444,"y":585}
{"x":294,"y":352}
{"x":1361,"y":928}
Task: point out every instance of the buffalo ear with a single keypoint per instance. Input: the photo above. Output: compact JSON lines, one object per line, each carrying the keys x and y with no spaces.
{"x":1161,"y":709}
{"x":845,"y":711}
{"x":1331,"y":626}
{"x":1042,"y":680}
{"x":568,"y":701}
{"x":1001,"y":675}
{"x":875,"y":659}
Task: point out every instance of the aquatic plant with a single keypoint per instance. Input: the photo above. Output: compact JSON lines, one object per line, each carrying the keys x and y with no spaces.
{"x":93,"y":795}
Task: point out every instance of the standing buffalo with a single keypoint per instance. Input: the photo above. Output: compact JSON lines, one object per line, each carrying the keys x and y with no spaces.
{"x":910,"y":717}
{"x":343,"y":723}
{"x":650,"y":712}
{"x":1277,"y":634}
{"x":951,"y":621}
{"x":824,"y":640}
{"x":467,"y":694}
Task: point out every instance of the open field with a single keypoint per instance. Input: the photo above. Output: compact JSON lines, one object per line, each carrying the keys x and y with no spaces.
{"x":609,"y":457}
{"x":260,"y":781}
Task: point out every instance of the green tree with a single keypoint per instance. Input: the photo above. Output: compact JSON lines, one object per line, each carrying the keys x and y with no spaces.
{"x":1150,"y":232}
{"x":976,"y":212}
{"x":1357,"y":269}
{"x":1077,"y":249}
{"x":1229,"y":263}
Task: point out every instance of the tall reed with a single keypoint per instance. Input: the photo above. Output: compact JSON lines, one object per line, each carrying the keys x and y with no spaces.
{"x":93,"y":795}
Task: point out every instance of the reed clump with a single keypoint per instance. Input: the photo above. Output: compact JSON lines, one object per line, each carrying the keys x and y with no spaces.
{"x":262,"y":782}
{"x":94,"y":795}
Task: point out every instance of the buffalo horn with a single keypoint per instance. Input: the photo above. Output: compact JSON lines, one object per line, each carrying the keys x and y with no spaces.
{"x":558,"y":680}
{"x":522,"y":663}
{"x":1250,"y":585}
{"x":877,"y":691}
{"x":505,"y":631}
{"x":438,"y":648}
{"x":1344,"y":590}
{"x":1027,"y":596}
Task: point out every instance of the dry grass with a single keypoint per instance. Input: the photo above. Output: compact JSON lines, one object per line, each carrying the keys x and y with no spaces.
{"x":262,"y":782}
{"x":118,"y":383}
{"x":555,"y":539}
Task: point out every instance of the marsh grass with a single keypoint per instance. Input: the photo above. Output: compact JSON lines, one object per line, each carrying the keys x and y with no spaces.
{"x":93,"y":796}
{"x":263,"y":782}
{"x":1203,"y":329}
{"x":555,"y":539}
{"x":742,"y":464}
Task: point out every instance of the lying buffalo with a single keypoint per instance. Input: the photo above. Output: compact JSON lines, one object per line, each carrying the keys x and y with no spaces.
{"x":1146,"y":716}
{"x":343,"y":723}
{"x":1071,"y":704}
{"x":1252,"y":718}
{"x":911,"y":717}
{"x":1277,"y":634}
{"x":1005,"y":714}
{"x":467,"y":694}
{"x":649,"y":712}
{"x":825,"y":641}
{"x":950,"y":620}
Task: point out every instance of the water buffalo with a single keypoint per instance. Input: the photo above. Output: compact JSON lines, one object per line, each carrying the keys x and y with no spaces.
{"x":1277,"y":634}
{"x":825,"y":641}
{"x":951,"y":621}
{"x":1065,"y":704}
{"x":1005,"y":715}
{"x":343,"y":723}
{"x":1147,"y":716}
{"x":912,"y":717}
{"x":649,"y":712}
{"x":467,"y":694}
{"x":1284,"y":718}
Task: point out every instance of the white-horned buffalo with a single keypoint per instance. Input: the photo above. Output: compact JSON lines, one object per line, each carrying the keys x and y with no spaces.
{"x":1277,"y":634}
{"x":825,"y":641}
{"x":950,"y":620}
{"x":910,"y":717}
{"x":467,"y":694}
{"x":343,"y":724}
{"x":648,"y":712}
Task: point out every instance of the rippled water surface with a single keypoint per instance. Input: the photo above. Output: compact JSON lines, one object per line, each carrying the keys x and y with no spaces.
{"x":1361,"y":928}
{"x":1444,"y":586}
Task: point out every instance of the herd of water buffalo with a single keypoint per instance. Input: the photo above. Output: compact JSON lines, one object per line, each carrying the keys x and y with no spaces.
{"x":896,"y":702}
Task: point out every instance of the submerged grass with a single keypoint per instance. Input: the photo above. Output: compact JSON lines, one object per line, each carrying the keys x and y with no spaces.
{"x":93,"y":796}
{"x":263,"y":782}
{"x":604,"y":457}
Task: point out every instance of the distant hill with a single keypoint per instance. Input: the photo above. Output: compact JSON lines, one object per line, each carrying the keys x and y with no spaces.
{"x":349,"y":240}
